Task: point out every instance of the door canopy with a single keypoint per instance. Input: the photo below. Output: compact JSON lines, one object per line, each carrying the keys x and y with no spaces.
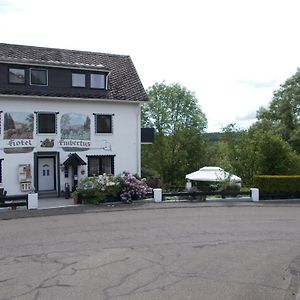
{"x":74,"y":160}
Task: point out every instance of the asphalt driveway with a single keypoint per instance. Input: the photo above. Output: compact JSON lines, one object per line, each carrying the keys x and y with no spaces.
{"x":192,"y":252}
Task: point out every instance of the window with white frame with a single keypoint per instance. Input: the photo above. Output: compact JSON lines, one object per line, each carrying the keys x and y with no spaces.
{"x":38,"y":77}
{"x":98,"y":81}
{"x":16,"y":75}
{"x":46,"y":122}
{"x":103,"y":123}
{"x":78,"y":80}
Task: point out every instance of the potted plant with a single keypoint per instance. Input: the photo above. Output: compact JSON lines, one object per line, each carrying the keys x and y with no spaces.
{"x":75,"y":196}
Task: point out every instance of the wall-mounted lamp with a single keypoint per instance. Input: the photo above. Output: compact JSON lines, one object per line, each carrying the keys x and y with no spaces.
{"x":82,"y":170}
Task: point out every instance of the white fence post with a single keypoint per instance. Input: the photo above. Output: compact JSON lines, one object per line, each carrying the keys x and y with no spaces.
{"x":254,"y":194}
{"x":188,"y":185}
{"x":33,"y":201}
{"x":157,"y":195}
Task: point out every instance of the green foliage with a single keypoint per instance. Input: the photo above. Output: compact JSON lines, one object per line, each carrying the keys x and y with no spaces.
{"x":274,"y":186}
{"x":219,"y":155}
{"x":172,"y":108}
{"x":255,"y":152}
{"x":228,"y":185}
{"x":270,"y":146}
{"x":153,"y":178}
{"x":103,"y":188}
{"x":283,"y":113}
{"x":95,"y":190}
{"x":267,"y":147}
{"x":276,"y":156}
{"x":179,"y":125}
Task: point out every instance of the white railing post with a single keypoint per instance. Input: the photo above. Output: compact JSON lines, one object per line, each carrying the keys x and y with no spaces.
{"x":188,"y":185}
{"x":33,"y":201}
{"x":254,"y":194}
{"x":157,"y":195}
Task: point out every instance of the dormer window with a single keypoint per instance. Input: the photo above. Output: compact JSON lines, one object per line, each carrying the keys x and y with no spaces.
{"x":38,"y":77}
{"x":98,"y":81}
{"x":16,"y":75}
{"x":78,"y":80}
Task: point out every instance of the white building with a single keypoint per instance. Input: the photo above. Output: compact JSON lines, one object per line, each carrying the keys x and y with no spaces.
{"x":65,"y":115}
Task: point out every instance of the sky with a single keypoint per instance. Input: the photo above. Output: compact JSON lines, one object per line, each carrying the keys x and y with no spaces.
{"x":232,"y":54}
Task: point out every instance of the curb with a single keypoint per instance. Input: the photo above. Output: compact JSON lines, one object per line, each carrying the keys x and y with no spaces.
{"x":137,"y":205}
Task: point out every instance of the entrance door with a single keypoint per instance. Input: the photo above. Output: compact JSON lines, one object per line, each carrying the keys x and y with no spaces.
{"x":46,"y":174}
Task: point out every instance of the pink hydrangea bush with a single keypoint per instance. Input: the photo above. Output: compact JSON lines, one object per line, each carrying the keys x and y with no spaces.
{"x":133,"y":188}
{"x":105,"y":187}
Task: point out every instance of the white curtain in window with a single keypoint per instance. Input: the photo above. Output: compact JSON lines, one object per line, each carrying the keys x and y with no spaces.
{"x":97,"y":81}
{"x":106,"y":164}
{"x":78,"y":80}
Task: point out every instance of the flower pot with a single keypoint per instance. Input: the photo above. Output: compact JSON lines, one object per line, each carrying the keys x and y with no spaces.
{"x":75,"y":200}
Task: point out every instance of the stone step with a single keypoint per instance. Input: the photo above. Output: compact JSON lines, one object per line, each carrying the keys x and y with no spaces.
{"x":48,"y":194}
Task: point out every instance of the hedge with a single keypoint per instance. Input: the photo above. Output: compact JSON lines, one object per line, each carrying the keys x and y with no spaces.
{"x":277,"y":186}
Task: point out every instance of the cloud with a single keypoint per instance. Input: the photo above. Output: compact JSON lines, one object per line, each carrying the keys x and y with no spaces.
{"x":6,"y":6}
{"x":258,"y":84}
{"x":243,"y":122}
{"x":232,"y":69}
{"x":248,"y":117}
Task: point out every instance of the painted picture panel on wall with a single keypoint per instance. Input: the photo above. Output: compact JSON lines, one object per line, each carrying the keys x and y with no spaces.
{"x":75,"y":132}
{"x":18,"y":132}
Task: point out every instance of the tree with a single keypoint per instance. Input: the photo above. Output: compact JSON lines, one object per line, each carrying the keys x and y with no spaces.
{"x":275,"y":156}
{"x":236,"y":153}
{"x":179,"y":123}
{"x":9,"y":122}
{"x":268,"y":147}
{"x":259,"y":152}
{"x":283,"y":113}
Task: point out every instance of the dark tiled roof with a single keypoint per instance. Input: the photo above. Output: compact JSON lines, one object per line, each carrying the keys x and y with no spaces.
{"x":124,"y":82}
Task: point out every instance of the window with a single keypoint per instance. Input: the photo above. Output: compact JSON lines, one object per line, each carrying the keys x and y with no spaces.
{"x":16,"y":75}
{"x":98,"y":81}
{"x":1,"y":170}
{"x":46,"y":123}
{"x":103,"y":123}
{"x":66,"y":171}
{"x":38,"y":77}
{"x":78,"y":80}
{"x":100,"y":164}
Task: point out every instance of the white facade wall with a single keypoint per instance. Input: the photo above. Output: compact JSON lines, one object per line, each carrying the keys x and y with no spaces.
{"x":124,"y":143}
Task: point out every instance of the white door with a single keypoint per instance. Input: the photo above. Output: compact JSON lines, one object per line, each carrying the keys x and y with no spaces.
{"x":46,"y":173}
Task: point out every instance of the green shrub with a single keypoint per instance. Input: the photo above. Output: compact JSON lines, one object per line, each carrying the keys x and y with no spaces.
{"x":277,"y":186}
{"x":153,"y":178}
{"x":104,"y":188}
{"x":95,"y":190}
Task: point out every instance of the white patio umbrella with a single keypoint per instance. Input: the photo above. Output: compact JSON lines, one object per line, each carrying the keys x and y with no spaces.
{"x":213,"y":174}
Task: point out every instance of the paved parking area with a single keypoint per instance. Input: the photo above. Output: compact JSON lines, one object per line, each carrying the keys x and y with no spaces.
{"x":179,"y":252}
